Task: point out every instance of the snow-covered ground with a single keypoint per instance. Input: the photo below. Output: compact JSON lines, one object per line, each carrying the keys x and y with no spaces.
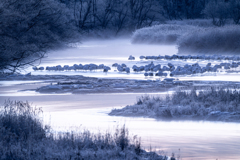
{"x":221,"y":140}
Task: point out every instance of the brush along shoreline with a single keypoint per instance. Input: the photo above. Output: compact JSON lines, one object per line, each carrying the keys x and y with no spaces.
{"x":209,"y":105}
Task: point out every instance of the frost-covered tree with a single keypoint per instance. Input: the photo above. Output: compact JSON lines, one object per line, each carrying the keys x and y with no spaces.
{"x":28,"y":29}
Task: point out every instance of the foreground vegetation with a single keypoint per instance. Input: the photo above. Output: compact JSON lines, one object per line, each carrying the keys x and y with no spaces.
{"x":23,"y":136}
{"x":214,"y":104}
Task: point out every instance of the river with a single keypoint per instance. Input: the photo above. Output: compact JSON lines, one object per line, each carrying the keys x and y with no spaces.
{"x":190,"y":139}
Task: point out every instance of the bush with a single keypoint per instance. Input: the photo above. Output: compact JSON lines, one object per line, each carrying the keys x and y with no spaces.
{"x":211,"y":40}
{"x":20,"y":121}
{"x":23,"y":136}
{"x":187,"y":105}
{"x":161,"y":34}
{"x":20,"y":128}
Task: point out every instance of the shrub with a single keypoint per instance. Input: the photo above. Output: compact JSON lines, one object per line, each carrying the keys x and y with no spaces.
{"x":187,"y":105}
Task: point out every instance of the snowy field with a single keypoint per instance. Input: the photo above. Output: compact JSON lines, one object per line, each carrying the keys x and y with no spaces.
{"x":64,"y":109}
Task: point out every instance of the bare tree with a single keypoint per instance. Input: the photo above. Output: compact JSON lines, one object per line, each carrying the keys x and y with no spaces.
{"x":219,"y":12}
{"x":28,"y":29}
{"x":83,"y":13}
{"x":235,"y":10}
{"x":120,"y":15}
{"x":104,"y":13}
{"x":142,"y":12}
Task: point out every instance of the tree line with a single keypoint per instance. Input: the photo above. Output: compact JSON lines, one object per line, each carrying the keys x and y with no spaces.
{"x":134,"y":14}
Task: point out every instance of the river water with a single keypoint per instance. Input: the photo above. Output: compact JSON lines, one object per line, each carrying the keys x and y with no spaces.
{"x":189,"y":139}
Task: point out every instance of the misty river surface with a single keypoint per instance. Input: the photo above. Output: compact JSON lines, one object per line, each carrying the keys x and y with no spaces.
{"x":108,"y":52}
{"x":190,"y":139}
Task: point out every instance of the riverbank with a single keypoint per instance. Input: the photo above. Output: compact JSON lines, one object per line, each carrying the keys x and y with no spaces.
{"x":209,"y":105}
